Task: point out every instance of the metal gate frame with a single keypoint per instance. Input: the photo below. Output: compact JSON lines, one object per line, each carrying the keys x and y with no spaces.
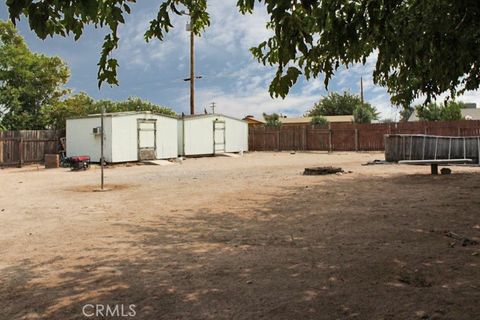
{"x":222,"y":128}
{"x":139,"y":148}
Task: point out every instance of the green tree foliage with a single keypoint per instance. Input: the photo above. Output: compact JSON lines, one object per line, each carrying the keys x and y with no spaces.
{"x":452,"y":111}
{"x":364,"y":114}
{"x":132,"y":104}
{"x":435,"y":112}
{"x":319,"y":120}
{"x":54,"y":115}
{"x":424,"y":47}
{"x":28,"y":81}
{"x":272,"y":120}
{"x":336,"y":104}
{"x":81,"y":105}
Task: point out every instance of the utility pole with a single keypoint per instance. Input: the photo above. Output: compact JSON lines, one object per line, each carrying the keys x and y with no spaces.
{"x":361,"y":89}
{"x":212,"y":105}
{"x":192,"y":69}
{"x":192,"y":63}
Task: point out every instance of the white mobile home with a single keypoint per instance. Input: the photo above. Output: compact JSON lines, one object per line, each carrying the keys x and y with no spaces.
{"x":128,"y":136}
{"x":211,"y":134}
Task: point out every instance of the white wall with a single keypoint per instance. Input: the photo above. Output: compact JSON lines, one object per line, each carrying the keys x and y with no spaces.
{"x":81,"y":141}
{"x":236,"y":135}
{"x":199,"y":135}
{"x":167,"y":138}
{"x":180,"y":138}
{"x":126,"y":134}
{"x":124,"y":139}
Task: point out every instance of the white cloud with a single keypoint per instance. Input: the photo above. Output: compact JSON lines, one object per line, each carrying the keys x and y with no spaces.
{"x":250,"y":103}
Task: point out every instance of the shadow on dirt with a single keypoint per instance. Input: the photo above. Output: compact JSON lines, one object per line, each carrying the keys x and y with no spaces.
{"x":377,"y":255}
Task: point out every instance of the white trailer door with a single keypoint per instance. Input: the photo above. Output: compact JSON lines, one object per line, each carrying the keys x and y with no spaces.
{"x":218,"y":136}
{"x":147,"y":139}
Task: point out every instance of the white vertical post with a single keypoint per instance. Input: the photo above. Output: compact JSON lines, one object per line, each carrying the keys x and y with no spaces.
{"x":101,"y":146}
{"x":478,"y":149}
{"x":449,"y":148}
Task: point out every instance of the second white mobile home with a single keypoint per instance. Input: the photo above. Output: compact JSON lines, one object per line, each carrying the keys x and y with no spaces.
{"x":211,"y":134}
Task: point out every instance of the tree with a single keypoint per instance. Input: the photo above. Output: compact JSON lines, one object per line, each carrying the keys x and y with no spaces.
{"x":433,"y":112}
{"x":81,"y":104}
{"x":363,"y":114}
{"x":55,"y":115}
{"x":28,"y":81}
{"x":319,"y":120}
{"x":452,"y":111}
{"x":423,"y":47}
{"x":133,"y":104}
{"x":335,"y":104}
{"x":343,"y":104}
{"x":272,"y":120}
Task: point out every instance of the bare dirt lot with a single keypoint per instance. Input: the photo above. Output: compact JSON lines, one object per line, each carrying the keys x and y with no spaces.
{"x":242,"y":238}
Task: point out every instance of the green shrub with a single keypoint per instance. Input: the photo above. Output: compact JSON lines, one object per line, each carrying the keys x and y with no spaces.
{"x":319,"y":120}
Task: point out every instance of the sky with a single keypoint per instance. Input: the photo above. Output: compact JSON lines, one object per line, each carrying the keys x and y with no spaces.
{"x":231,"y":78}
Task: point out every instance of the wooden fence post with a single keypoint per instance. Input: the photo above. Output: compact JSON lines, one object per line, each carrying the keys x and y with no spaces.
{"x":264,"y":137}
{"x":356,"y":139}
{"x":330,"y":147}
{"x":305,"y":138}
{"x":20,"y":151}
{"x":253,"y":139}
{"x":278,"y":139}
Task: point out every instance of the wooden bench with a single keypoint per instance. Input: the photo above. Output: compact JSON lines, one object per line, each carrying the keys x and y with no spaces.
{"x":435,"y":162}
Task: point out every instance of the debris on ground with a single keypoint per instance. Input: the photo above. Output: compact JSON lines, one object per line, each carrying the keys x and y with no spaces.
{"x":374,"y":162}
{"x":462,"y":239}
{"x":318,"y":171}
{"x":446,"y":171}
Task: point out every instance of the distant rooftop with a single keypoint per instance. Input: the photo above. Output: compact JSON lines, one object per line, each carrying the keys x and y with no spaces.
{"x":307,"y":120}
{"x":470,"y":111}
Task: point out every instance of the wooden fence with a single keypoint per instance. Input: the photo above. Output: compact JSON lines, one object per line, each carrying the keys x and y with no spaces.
{"x":27,"y":146}
{"x":349,"y":136}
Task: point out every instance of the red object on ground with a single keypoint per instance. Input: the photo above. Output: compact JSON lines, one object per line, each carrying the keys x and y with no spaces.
{"x":80,"y":158}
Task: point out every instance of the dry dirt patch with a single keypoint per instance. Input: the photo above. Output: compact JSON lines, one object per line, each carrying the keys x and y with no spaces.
{"x":242,"y":238}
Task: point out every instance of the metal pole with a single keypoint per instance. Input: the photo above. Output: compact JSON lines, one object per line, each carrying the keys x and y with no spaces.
{"x":361,"y":89}
{"x":192,"y":69}
{"x":101,"y":146}
{"x":478,"y":149}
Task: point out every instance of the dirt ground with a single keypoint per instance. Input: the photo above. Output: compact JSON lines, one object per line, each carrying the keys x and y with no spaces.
{"x":242,"y":238}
